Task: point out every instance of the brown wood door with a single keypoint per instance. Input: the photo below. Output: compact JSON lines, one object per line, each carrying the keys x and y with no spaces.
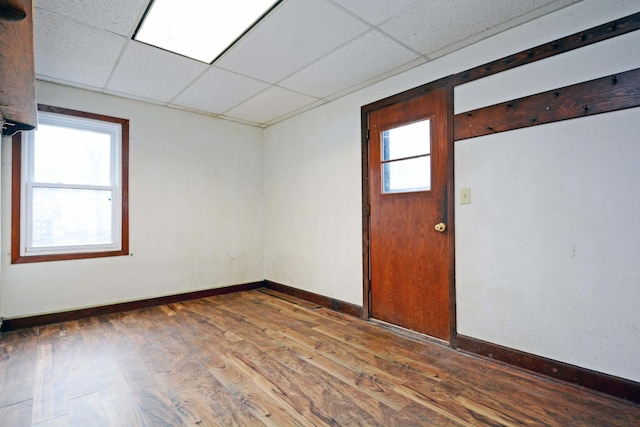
{"x":408,"y":173}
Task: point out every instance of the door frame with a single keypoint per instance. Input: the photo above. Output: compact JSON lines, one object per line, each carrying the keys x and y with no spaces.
{"x":444,"y":83}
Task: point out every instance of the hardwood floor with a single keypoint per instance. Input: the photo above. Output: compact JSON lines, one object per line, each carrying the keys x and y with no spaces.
{"x":262,"y":358}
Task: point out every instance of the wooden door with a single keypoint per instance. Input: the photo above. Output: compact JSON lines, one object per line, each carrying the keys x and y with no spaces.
{"x":409,"y":252}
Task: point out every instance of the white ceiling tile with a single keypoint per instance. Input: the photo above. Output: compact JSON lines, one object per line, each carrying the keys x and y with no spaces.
{"x":269,"y":105}
{"x":297,"y":33}
{"x":69,"y":51}
{"x":218,"y":90}
{"x":118,"y":16}
{"x":152,"y":73}
{"x":430,"y":26}
{"x":314,"y":50}
{"x":375,"y":11}
{"x":350,"y":65}
{"x":528,"y":16}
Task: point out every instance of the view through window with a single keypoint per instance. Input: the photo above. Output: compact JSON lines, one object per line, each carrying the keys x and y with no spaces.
{"x":73,"y":187}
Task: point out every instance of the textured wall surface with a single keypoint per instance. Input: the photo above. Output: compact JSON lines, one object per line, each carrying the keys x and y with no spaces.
{"x":539,"y":266}
{"x":195,"y":212}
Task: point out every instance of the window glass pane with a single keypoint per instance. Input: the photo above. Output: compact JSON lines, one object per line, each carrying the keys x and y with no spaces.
{"x":64,"y":155}
{"x":407,"y":175}
{"x":406,"y":141}
{"x":65,"y":217}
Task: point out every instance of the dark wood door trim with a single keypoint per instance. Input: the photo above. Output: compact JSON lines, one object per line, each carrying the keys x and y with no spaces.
{"x":365,"y":111}
{"x":575,"y":41}
{"x":451,"y":223}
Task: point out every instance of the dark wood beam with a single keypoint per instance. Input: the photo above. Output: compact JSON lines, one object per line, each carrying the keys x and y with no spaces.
{"x":575,"y":41}
{"x":602,"y":95}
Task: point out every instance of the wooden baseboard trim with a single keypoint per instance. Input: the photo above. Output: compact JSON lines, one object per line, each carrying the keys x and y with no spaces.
{"x":8,"y":325}
{"x":604,"y":383}
{"x":333,"y":304}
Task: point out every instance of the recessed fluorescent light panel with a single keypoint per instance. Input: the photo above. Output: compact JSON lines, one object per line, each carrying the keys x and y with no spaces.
{"x":199,"y":29}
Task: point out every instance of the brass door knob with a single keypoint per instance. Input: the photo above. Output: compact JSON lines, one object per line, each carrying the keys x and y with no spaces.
{"x":440,"y":227}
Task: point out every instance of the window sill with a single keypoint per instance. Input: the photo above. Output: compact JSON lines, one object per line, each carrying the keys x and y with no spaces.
{"x":66,"y":257}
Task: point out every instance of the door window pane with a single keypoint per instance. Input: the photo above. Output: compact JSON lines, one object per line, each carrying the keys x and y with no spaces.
{"x":407,"y":175}
{"x":68,"y":217}
{"x":406,"y":141}
{"x":406,"y":158}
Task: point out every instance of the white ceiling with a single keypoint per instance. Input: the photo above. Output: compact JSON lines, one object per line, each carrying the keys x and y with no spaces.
{"x":303,"y":54}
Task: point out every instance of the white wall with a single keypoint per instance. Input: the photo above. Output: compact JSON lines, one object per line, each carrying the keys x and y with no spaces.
{"x":546,"y":255}
{"x":313,"y":208}
{"x":312,"y":205}
{"x":195,"y":197}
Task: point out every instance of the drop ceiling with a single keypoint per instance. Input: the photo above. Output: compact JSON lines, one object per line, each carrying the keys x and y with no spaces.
{"x":305,"y":53}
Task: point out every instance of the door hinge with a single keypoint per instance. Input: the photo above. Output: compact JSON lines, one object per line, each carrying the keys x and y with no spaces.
{"x":367,"y":134}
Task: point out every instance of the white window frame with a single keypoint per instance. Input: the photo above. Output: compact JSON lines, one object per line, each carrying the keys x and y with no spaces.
{"x":114,"y":130}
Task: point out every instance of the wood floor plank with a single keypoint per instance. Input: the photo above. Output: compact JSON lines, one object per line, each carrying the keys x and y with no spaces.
{"x":535,"y":394}
{"x":89,"y":410}
{"x":156,"y":408}
{"x":79,"y":378}
{"x":255,"y":358}
{"x":252,"y":334}
{"x":277,"y":320}
{"x":114,"y":389}
{"x":263,"y":408}
{"x":61,"y":421}
{"x":121,"y":410}
{"x":376,"y":347}
{"x":195,"y":392}
{"x":46,"y":404}
{"x":289,"y":298}
{"x":18,"y":382}
{"x":199,"y":397}
{"x":228,"y":344}
{"x":329,"y":397}
{"x":284,"y":309}
{"x":438,"y":401}
{"x":130,"y":363}
{"x":355,"y":378}
{"x":64,"y":371}
{"x":104,"y":366}
{"x":274,"y":392}
{"x":17,"y":414}
{"x":314,"y":400}
{"x":381,"y":390}
{"x":489,"y":414}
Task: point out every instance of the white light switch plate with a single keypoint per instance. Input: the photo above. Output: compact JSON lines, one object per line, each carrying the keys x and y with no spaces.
{"x":465,"y":196}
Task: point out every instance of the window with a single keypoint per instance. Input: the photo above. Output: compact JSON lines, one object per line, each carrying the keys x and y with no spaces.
{"x":406,"y":158}
{"x":70,"y":187}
